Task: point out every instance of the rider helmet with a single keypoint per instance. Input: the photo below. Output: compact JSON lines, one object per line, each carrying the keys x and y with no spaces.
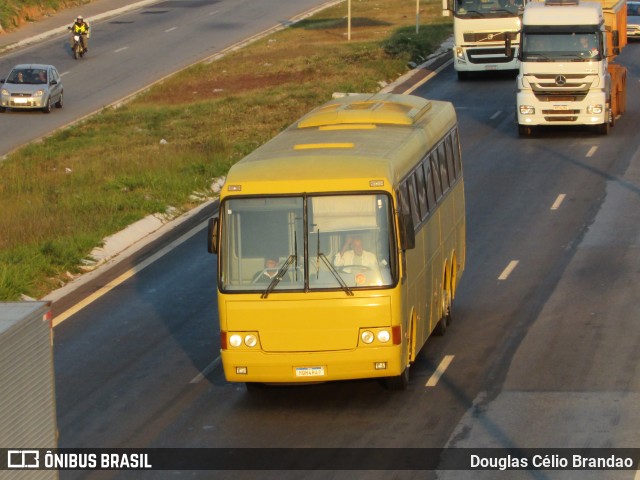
{"x":79,"y":18}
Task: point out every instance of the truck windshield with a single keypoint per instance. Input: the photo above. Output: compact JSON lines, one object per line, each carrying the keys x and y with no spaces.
{"x":488,"y":8}
{"x":306,"y":243}
{"x":561,"y":47}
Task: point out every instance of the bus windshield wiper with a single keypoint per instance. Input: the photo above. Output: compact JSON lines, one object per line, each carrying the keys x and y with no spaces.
{"x":335,"y":273}
{"x":276,"y":280}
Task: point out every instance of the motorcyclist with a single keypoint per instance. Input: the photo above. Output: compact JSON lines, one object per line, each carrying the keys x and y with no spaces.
{"x":80,"y":27}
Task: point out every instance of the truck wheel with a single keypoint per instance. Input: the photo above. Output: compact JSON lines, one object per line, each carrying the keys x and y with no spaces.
{"x":603,"y":128}
{"x":525,"y":130}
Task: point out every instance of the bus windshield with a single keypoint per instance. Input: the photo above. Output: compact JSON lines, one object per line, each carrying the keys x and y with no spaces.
{"x":488,"y":8}
{"x":307,"y":242}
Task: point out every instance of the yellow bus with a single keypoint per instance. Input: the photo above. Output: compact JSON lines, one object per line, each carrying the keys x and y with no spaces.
{"x":341,"y":242}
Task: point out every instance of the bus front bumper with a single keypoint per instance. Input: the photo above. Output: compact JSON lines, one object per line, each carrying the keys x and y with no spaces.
{"x":258,"y":366}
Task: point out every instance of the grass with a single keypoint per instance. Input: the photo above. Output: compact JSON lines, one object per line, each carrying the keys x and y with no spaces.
{"x":62,"y":196}
{"x":15,"y":12}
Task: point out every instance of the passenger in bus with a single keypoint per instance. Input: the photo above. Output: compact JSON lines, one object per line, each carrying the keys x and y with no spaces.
{"x":353,"y":253}
{"x":268,"y":272}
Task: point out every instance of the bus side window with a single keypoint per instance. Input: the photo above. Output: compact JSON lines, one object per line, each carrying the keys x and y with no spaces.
{"x":422,"y":192}
{"x":431,"y":194}
{"x":456,"y":151}
{"x":442,"y":161}
{"x":450,"y":160}
{"x":435,"y":173}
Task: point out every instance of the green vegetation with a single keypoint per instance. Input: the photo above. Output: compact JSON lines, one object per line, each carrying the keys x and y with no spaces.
{"x":13,"y":13}
{"x":62,"y":196}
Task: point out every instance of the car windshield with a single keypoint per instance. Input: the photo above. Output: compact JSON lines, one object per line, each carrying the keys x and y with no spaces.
{"x":33,"y":76}
{"x":302,"y":243}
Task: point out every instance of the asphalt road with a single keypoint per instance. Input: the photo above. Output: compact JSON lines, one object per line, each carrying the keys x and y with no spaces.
{"x":545,"y":339}
{"x":132,"y":50}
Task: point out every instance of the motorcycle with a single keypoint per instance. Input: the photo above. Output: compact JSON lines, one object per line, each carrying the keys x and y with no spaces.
{"x":77,"y":48}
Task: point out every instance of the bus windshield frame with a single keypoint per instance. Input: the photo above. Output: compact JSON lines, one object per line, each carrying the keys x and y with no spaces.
{"x":307,"y":242}
{"x":471,"y":9}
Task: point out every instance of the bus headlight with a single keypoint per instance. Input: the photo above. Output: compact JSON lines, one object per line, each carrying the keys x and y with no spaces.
{"x":594,"y":109}
{"x":235,"y":340}
{"x":527,"y":110}
{"x":460,"y":53}
{"x":250,"y":340}
{"x":384,"y":336}
{"x":367,"y":336}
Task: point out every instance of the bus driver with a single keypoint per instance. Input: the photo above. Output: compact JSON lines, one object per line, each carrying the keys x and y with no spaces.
{"x":356,"y":255}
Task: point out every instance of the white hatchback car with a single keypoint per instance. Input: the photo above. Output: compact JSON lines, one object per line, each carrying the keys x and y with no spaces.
{"x":31,"y":86}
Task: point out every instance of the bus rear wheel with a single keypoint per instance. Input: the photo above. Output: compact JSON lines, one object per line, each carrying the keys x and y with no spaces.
{"x":445,"y":320}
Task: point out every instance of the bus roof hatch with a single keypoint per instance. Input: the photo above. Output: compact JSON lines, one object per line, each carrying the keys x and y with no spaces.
{"x":365,"y":111}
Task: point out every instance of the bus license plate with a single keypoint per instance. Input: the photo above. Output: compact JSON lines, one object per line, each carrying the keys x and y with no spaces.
{"x":309,"y":371}
{"x":490,"y":67}
{"x":561,"y":107}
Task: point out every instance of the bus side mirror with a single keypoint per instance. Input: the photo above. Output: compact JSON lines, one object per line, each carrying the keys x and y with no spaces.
{"x":212,"y":235}
{"x":508,"y":51}
{"x":407,"y":233}
{"x":615,"y":40}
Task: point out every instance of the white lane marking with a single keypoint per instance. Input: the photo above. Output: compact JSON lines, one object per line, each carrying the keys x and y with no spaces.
{"x":65,"y":73}
{"x":120,"y":50}
{"x":433,"y":381}
{"x":507,"y":271}
{"x":214,"y":12}
{"x":558,"y":201}
{"x":429,"y":77}
{"x":126,"y":275}
{"x":495,"y":115}
{"x":170,"y":29}
{"x":198,"y":378}
{"x":591,"y":151}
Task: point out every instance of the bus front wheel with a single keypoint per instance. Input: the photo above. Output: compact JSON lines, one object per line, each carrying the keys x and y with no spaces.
{"x":398,"y":383}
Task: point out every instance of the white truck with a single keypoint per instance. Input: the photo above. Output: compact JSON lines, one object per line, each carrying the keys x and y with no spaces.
{"x":27,"y":388}
{"x":484,"y":32}
{"x":566,"y":72}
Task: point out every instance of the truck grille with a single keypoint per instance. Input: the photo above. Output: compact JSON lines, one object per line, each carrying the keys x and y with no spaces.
{"x":489,"y":55}
{"x":478,"y":37}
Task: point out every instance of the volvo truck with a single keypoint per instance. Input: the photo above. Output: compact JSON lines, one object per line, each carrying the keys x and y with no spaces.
{"x":486,"y":34}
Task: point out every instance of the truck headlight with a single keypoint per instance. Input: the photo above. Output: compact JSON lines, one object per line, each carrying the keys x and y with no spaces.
{"x":527,"y":110}
{"x":459,"y":53}
{"x":594,"y":109}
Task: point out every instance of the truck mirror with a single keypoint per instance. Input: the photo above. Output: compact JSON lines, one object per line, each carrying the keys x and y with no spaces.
{"x":615,"y":39}
{"x":212,"y":235}
{"x":447,"y":7}
{"x":407,"y":232}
